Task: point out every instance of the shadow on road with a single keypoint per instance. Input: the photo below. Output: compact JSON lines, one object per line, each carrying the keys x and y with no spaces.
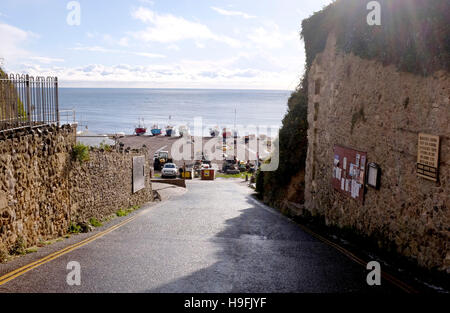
{"x":261,"y":251}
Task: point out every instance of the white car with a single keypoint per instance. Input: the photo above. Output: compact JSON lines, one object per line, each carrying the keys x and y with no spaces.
{"x":169,"y":170}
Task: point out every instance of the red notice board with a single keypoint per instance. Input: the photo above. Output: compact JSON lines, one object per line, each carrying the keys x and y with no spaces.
{"x":349,"y":171}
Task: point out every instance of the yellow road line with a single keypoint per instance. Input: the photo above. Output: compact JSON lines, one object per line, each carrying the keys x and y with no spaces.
{"x":24,"y":269}
{"x":396,"y":282}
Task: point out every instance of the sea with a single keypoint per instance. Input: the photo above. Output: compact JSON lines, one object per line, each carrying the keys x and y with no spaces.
{"x":110,"y":111}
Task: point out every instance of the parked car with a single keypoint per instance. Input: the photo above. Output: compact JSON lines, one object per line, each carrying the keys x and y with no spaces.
{"x":169,"y":170}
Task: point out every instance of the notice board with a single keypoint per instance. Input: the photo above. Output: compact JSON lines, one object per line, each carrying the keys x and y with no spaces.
{"x":349,"y":171}
{"x":138,"y":173}
{"x":428,"y":157}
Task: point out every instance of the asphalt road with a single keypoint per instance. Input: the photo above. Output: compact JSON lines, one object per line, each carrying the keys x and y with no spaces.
{"x":213,"y":238}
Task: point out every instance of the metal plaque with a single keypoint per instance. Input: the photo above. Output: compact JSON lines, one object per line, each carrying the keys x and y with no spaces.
{"x":138,"y":173}
{"x":428,"y":157}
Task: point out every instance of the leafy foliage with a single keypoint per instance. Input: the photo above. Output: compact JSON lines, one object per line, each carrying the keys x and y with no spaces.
{"x":125,"y":212}
{"x":105,"y":147}
{"x":94,"y":222}
{"x":80,"y":153}
{"x":293,"y":145}
{"x":11,"y":106}
{"x":414,"y":34}
{"x":19,"y":247}
{"x":74,"y":228}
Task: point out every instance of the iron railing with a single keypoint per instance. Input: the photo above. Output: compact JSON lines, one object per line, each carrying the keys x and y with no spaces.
{"x":27,"y":101}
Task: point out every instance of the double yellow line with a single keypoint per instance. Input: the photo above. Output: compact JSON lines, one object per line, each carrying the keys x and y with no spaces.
{"x":24,"y":269}
{"x":20,"y":271}
{"x":396,"y":282}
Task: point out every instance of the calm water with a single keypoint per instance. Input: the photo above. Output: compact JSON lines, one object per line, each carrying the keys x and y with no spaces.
{"x":118,"y":110}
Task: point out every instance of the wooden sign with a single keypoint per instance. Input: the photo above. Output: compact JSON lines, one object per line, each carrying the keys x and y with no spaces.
{"x":428,"y":157}
{"x":349,"y":170}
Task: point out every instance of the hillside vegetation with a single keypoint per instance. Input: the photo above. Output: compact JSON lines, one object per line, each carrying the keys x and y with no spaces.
{"x":11,"y":106}
{"x":414,"y":35}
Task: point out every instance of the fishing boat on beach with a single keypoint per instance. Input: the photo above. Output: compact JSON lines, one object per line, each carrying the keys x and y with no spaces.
{"x":169,"y":130}
{"x":183,"y":131}
{"x":226,"y":133}
{"x":156,"y":131}
{"x":214,"y":131}
{"x":140,"y":129}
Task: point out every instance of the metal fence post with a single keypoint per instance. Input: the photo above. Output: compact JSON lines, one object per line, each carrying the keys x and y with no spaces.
{"x":57,"y":101}
{"x":27,"y":84}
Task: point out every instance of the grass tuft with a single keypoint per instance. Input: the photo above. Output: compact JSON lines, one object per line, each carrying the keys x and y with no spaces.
{"x":80,"y":153}
{"x":19,"y":247}
{"x":94,"y":222}
{"x":74,"y":229}
{"x":125,"y":212}
{"x":31,"y":250}
{"x":240,"y":175}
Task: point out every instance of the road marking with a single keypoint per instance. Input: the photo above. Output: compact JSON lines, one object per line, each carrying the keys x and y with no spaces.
{"x":160,"y":149}
{"x":393,"y":280}
{"x":396,"y":282}
{"x":24,"y":269}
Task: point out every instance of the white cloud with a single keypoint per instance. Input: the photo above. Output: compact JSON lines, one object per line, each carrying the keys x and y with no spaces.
{"x":150,"y":2}
{"x":252,"y":64}
{"x":167,"y":28}
{"x":232,"y":13}
{"x":173,"y":47}
{"x":271,"y":37}
{"x":45,"y":60}
{"x":107,"y":50}
{"x":108,"y":39}
{"x":13,"y":46}
{"x":183,"y":74}
{"x":148,"y":55}
{"x":123,"y":42}
{"x":199,"y":45}
{"x":13,"y":41}
{"x":91,"y":34}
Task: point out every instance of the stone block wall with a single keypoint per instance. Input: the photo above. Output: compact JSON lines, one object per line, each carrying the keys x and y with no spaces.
{"x":43,"y":190}
{"x":34,"y":190}
{"x":364,"y":105}
{"x":104,"y":184}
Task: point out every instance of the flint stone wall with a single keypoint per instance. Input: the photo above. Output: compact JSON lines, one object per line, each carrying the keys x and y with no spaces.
{"x":374,"y":108}
{"x":43,"y":190}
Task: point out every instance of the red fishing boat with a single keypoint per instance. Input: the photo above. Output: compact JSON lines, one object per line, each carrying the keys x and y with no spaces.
{"x":140,"y":129}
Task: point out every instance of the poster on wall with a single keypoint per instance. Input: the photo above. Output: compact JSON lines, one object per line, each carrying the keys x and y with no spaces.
{"x":349,"y":172}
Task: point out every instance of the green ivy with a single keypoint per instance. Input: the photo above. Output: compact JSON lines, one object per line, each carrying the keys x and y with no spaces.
{"x":293,"y":146}
{"x":414,"y":35}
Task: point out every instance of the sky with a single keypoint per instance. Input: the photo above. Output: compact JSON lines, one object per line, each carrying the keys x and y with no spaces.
{"x":218,"y":44}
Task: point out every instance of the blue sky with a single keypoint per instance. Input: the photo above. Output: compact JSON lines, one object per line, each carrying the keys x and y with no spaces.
{"x":158,"y":44}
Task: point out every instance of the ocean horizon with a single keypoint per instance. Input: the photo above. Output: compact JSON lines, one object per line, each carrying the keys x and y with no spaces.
{"x":113,"y":110}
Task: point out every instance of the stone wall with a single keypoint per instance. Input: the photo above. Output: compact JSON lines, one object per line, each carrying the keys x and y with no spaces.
{"x":104,"y":184}
{"x":43,"y":190}
{"x":373,"y":108}
{"x":34,"y":190}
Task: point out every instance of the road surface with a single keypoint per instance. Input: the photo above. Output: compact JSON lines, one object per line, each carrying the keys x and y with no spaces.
{"x":213,"y":238}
